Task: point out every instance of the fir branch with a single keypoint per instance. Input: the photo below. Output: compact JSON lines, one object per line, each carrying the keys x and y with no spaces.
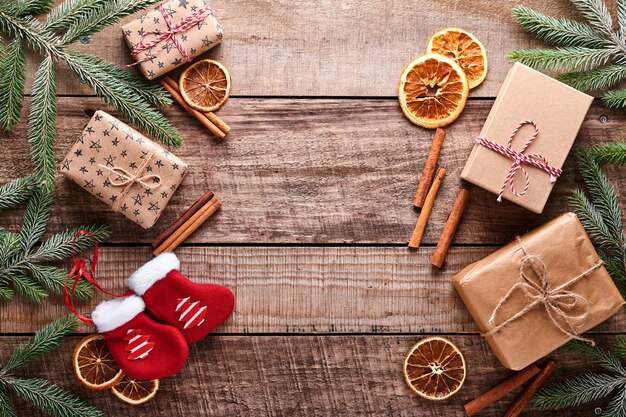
{"x":15,"y":192}
{"x":612,"y":153}
{"x":558,"y":31}
{"x":46,"y":340}
{"x":617,"y":405}
{"x":10,"y":246}
{"x":51,"y":398}
{"x":6,"y":407}
{"x":615,"y":99}
{"x":36,"y":217}
{"x":606,"y":360}
{"x":620,"y":346}
{"x":59,"y":246}
{"x":134,"y":108}
{"x":596,"y":13}
{"x":591,"y":220}
{"x":595,"y":79}
{"x":6,"y":294}
{"x":621,"y":17}
{"x":42,"y":122}
{"x":69,"y":12}
{"x":576,"y":391}
{"x":27,"y":7}
{"x":615,"y":268}
{"x":53,"y":279}
{"x":12,"y":74}
{"x":29,"y":288}
{"x":99,"y":17}
{"x":566,"y":58}
{"x":32,"y":32}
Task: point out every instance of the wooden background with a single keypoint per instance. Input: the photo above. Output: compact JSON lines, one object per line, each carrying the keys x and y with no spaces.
{"x":316,"y":179}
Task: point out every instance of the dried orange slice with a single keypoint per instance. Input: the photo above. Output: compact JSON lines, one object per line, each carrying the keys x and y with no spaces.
{"x":134,"y":391}
{"x":434,"y":368}
{"x":433,"y":90}
{"x":205,"y":85}
{"x":94,"y":366}
{"x":465,"y":49}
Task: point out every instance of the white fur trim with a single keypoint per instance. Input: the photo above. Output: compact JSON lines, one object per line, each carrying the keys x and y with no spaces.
{"x":110,"y":315}
{"x":142,"y":279}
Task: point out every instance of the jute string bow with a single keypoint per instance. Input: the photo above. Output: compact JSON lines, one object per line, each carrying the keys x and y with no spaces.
{"x":537,"y":160}
{"x":162,"y":37}
{"x":567,"y":309}
{"x":120,"y":177}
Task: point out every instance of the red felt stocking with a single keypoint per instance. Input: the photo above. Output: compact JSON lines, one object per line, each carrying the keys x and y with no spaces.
{"x":194,"y":309}
{"x":143,"y":348}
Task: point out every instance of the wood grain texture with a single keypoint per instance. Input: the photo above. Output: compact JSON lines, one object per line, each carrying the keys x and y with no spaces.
{"x":311,"y":171}
{"x":336,"y":47}
{"x":303,"y":376}
{"x":302,"y":289}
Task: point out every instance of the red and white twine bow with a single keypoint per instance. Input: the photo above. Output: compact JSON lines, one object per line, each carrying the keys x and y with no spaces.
{"x":163,"y":36}
{"x":518,"y":158}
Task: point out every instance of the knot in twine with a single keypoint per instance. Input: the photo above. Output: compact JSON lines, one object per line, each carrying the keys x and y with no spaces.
{"x":163,"y":36}
{"x":568,"y":310}
{"x":537,"y":160}
{"x":120,"y":177}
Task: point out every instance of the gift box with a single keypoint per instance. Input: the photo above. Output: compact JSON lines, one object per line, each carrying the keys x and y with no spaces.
{"x":526,"y":138}
{"x":124,"y":169}
{"x":539,"y":292}
{"x":171,"y":35}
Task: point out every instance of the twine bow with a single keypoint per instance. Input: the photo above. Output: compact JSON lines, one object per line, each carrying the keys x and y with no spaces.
{"x":119,"y":177}
{"x":164,"y":36}
{"x":537,"y":160}
{"x":567,"y":309}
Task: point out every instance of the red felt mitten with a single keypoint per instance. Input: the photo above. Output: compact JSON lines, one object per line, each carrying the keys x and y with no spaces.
{"x":143,"y":348}
{"x":194,"y":309}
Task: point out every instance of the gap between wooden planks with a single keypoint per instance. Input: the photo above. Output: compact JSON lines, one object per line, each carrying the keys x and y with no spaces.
{"x":301,"y":376}
{"x":323,"y":171}
{"x":301,"y":289}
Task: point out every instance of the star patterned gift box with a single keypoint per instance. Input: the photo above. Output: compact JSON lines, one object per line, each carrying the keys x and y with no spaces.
{"x":174,"y":33}
{"x":124,"y":169}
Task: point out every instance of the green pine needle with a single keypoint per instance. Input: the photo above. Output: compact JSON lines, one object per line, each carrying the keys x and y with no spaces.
{"x":596,"y":12}
{"x":565,"y":58}
{"x":10,"y":246}
{"x":53,"y":279}
{"x":137,"y":110}
{"x":6,"y":294}
{"x":617,"y":405}
{"x":45,"y":341}
{"x":28,"y":7}
{"x":42,"y":122}
{"x":595,"y":79}
{"x":51,"y":398}
{"x":558,"y":31}
{"x":606,"y":360}
{"x":576,"y":391}
{"x":12,"y":74}
{"x":15,"y":192}
{"x":26,"y":286}
{"x":99,"y":17}
{"x":59,"y":246}
{"x":615,"y":99}
{"x":6,"y":407}
{"x":621,"y":17}
{"x":36,"y":217}
{"x":70,"y":12}
{"x":612,"y":153}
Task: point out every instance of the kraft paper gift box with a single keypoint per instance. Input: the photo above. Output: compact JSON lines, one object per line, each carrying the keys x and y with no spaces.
{"x":171,"y":35}
{"x":503,"y":292}
{"x":556,"y":109}
{"x":124,"y":169}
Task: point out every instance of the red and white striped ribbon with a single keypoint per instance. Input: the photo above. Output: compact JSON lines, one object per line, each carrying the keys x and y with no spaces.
{"x":537,"y":160}
{"x":162,"y":37}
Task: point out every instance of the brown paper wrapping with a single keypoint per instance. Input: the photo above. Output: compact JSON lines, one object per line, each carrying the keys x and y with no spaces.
{"x":107,"y":145}
{"x":567,"y":252}
{"x":557,"y":109}
{"x":197,"y":40}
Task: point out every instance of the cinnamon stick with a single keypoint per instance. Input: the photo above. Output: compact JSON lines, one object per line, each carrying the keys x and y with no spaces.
{"x":176,"y":225}
{"x":439,"y":256}
{"x":526,"y":397}
{"x":505,"y":387}
{"x":429,"y":168}
{"x":213,"y":118}
{"x":190,"y":226}
{"x":171,"y":86}
{"x":422,"y":220}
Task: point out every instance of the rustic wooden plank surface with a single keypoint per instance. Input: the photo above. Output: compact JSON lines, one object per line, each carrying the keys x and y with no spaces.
{"x":337,"y":47}
{"x":303,"y":289}
{"x":312,"y":171}
{"x":303,"y":376}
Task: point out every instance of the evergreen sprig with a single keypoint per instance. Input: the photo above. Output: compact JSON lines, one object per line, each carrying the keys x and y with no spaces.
{"x":590,"y":55}
{"x":48,"y":397}
{"x":592,"y":386}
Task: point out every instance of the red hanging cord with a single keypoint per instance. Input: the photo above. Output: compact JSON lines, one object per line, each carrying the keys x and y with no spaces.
{"x":84,"y":268}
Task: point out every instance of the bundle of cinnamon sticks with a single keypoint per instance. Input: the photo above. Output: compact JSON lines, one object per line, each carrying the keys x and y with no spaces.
{"x":187,"y":224}
{"x":210,"y":120}
{"x":424,"y":199}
